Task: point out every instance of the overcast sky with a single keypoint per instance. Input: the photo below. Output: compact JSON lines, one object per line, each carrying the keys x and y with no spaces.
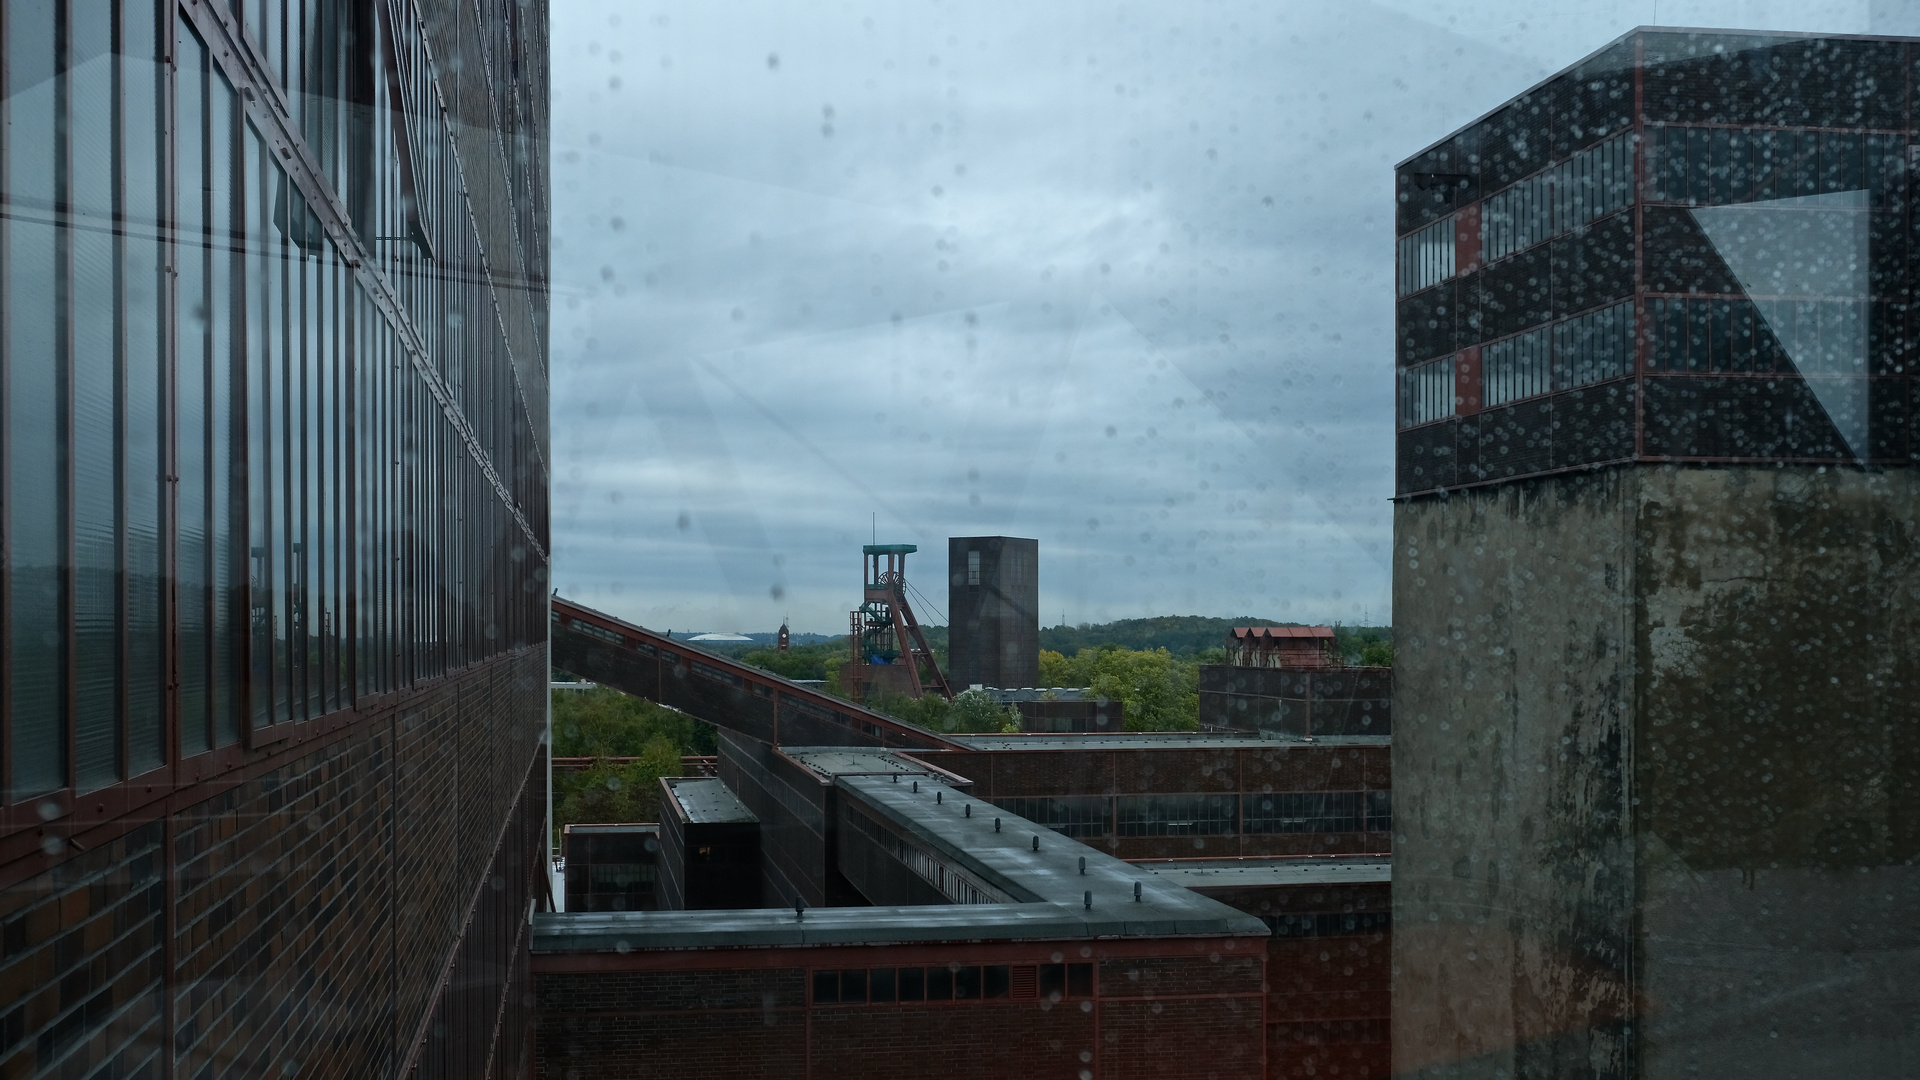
{"x":1114,"y":276}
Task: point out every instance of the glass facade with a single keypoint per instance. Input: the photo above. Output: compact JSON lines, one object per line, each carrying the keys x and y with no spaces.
{"x":274,"y":527}
{"x":274,"y":409}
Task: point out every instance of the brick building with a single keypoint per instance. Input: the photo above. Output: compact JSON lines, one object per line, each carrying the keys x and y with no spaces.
{"x":271,"y":701}
{"x":1152,"y":796}
{"x":896,"y":863}
{"x":1306,"y":648}
{"x":994,"y":941}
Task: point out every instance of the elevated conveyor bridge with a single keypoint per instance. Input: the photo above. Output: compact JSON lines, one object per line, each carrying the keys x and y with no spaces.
{"x":723,"y":692}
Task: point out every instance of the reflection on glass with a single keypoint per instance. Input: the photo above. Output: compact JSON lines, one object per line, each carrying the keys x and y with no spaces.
{"x":1787,"y":252}
{"x":96,"y":399}
{"x":36,"y":536}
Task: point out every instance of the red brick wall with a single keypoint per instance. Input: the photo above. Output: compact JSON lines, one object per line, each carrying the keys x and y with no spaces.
{"x":326,"y":906}
{"x":1328,"y":995}
{"x":1178,"y":1008}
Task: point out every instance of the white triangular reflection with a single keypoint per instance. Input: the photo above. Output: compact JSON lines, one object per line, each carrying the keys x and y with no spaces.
{"x":1803,"y":262}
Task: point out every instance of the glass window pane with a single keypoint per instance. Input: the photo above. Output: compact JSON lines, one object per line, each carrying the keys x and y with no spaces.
{"x":96,"y":399}
{"x":143,"y":284}
{"x":37,"y":615}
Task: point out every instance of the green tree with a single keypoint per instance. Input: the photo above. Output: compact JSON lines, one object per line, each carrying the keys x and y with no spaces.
{"x":1058,"y":669}
{"x":612,"y":792}
{"x":800,"y":661}
{"x":975,"y":712}
{"x":1157,"y":692}
{"x":970,"y":712}
{"x":607,"y":723}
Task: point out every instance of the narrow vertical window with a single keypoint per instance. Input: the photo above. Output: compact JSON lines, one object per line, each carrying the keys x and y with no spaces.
{"x":226,"y":383}
{"x":259,"y":427}
{"x":95,"y":442}
{"x":1427,"y":392}
{"x":195,"y":337}
{"x":144,"y":335}
{"x":36,"y":399}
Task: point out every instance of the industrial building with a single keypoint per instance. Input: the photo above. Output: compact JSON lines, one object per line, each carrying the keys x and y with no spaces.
{"x":1658,"y":790}
{"x":613,"y":867}
{"x":1041,"y":903}
{"x":993,"y":611}
{"x":1291,"y":682}
{"x":272,"y":703}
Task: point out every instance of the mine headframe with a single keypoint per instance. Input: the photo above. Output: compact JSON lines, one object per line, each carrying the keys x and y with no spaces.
{"x":890,"y":652}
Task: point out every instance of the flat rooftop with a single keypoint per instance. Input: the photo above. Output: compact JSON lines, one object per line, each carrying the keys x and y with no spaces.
{"x":613,"y":830}
{"x":1243,"y":873}
{"x":628,"y":931}
{"x":1050,"y":893}
{"x":709,"y":802}
{"x":1158,"y":741}
{"x":997,"y":848}
{"x":832,"y":761}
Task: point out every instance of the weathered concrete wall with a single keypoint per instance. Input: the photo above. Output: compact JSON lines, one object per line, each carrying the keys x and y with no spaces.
{"x":1657,"y":778}
{"x":1776,"y":772}
{"x":1512,"y":885}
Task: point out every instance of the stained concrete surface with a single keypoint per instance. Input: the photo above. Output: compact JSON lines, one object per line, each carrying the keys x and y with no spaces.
{"x":1657,"y":807}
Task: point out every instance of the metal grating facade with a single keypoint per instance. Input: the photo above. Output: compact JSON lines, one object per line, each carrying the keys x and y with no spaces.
{"x":1693,"y":246}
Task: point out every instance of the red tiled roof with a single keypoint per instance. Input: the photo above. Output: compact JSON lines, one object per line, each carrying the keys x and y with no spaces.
{"x":1325,"y":632}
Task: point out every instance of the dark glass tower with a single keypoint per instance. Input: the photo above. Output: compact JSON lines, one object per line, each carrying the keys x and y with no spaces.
{"x":273,"y":483}
{"x":1657,"y":785}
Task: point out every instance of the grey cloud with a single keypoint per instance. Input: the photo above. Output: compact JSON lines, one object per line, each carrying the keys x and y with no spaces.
{"x":795,"y":330}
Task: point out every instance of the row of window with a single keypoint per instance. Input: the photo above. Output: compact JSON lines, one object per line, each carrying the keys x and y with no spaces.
{"x":1575,"y":352}
{"x":198,"y":340}
{"x":1426,"y":257}
{"x":1207,"y":815}
{"x":1517,"y":367}
{"x":1717,"y":166}
{"x":1427,"y":392}
{"x":954,"y":982}
{"x":1586,"y":187}
{"x":1583,"y":189}
{"x":1807,"y":336}
{"x":1307,"y":924}
{"x":1694,"y":165}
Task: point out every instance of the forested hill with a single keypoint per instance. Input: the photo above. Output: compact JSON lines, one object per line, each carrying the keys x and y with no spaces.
{"x":1185,"y":636}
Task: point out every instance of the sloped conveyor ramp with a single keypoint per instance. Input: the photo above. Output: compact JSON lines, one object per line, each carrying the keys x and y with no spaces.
{"x":725,"y":693}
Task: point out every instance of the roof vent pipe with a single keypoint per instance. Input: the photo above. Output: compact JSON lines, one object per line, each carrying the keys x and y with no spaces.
{"x":1036,"y":841}
{"x":1136,"y":892}
{"x":1083,"y":864}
